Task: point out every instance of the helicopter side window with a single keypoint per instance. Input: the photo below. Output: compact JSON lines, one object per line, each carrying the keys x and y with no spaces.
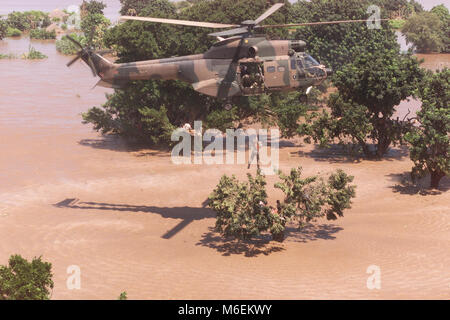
{"x":271,"y":69}
{"x":300,"y":64}
{"x":281,"y":69}
{"x":293,"y":64}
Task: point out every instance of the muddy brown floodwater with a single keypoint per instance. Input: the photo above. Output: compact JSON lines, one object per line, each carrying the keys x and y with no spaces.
{"x":133,"y":221}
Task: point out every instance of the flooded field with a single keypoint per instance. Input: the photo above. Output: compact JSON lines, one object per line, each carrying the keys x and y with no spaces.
{"x":7,"y":6}
{"x":41,"y":100}
{"x":133,"y":221}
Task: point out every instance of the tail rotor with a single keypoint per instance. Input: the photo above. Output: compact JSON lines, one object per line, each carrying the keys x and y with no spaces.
{"x":85,"y":54}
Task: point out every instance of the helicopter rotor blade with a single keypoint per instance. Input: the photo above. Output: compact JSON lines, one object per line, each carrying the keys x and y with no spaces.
{"x":314,"y":23}
{"x":269,"y":12}
{"x":232,"y":32}
{"x":73,"y":60}
{"x":181,"y":22}
{"x":75,"y":42}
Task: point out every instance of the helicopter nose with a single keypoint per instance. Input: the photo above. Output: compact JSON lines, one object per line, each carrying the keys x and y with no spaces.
{"x":329,"y":72}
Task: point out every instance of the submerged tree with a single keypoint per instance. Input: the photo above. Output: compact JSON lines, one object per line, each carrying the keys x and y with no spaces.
{"x":430,"y":141}
{"x":444,"y":15}
{"x":425,"y":31}
{"x":243,"y":211}
{"x":307,"y":199}
{"x":3,"y":29}
{"x":23,"y":280}
{"x":369,"y":89}
{"x":241,"y":208}
{"x":371,"y":75}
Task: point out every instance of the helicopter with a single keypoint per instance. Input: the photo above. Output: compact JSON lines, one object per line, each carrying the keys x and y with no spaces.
{"x":241,"y":63}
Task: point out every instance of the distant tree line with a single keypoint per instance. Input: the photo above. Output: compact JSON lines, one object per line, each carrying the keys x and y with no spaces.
{"x":18,"y":22}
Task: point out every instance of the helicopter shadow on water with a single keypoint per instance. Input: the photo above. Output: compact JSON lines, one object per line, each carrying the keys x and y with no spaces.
{"x":226,"y":246}
{"x":186,"y":214}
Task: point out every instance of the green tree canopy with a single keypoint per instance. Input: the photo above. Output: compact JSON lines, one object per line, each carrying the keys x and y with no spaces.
{"x":414,"y":7}
{"x":241,"y":208}
{"x":94,"y":27}
{"x":442,"y":12}
{"x":93,"y":7}
{"x":23,"y":280}
{"x":135,"y":7}
{"x":430,"y":141}
{"x":369,"y":88}
{"x":19,"y":21}
{"x":3,"y":29}
{"x":243,"y":211}
{"x":335,"y":45}
{"x":424,"y":31}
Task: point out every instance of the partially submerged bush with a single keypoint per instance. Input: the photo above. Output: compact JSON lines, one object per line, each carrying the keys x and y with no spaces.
{"x":243,"y":211}
{"x":33,"y":54}
{"x":67,"y":47}
{"x":3,"y":29}
{"x":13,"y":32}
{"x":42,"y":34}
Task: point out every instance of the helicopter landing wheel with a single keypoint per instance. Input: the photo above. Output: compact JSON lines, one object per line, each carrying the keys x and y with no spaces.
{"x":303,"y":98}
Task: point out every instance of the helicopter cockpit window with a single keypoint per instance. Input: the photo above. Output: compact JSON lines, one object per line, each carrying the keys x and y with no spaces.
{"x":310,"y":62}
{"x":300,"y":64}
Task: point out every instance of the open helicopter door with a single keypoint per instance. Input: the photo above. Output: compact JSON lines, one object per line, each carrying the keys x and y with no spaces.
{"x":250,"y":75}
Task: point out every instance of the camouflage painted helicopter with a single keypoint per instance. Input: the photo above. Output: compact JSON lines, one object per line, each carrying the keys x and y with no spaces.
{"x":243,"y":64}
